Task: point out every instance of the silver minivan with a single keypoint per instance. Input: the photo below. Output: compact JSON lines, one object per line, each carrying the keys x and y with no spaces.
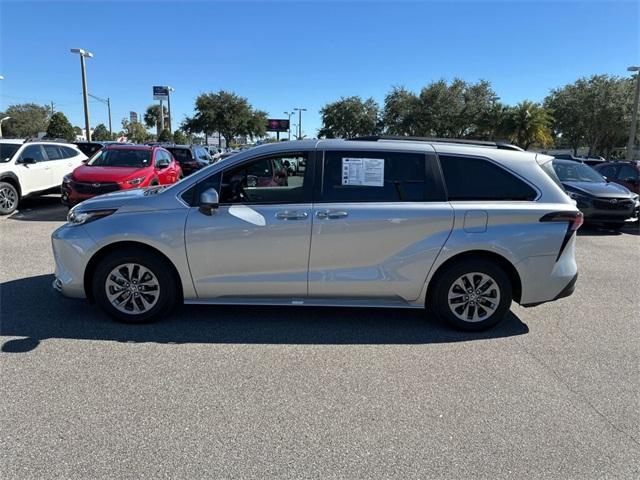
{"x":459,"y":228}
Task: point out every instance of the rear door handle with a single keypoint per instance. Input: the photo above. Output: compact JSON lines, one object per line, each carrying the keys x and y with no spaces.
{"x":331,"y":214}
{"x":291,"y":215}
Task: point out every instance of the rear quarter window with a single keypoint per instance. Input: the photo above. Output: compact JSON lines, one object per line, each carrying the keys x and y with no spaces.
{"x":474,"y":178}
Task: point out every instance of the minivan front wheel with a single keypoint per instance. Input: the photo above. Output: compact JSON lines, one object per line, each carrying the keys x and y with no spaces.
{"x":134,"y":286}
{"x":472,"y":295}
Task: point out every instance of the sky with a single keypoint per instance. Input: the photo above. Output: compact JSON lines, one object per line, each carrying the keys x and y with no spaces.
{"x":281,"y":55}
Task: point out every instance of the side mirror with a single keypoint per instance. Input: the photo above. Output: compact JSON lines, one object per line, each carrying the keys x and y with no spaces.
{"x":26,"y":161}
{"x":209,"y":201}
{"x":162,"y":164}
{"x":605,"y":179}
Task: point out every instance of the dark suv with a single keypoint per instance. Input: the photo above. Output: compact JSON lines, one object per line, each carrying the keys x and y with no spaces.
{"x":624,"y":173}
{"x":190,"y":157}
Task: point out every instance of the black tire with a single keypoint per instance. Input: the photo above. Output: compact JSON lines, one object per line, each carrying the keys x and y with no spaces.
{"x":445,"y":282}
{"x":9,"y":198}
{"x":168,"y":291}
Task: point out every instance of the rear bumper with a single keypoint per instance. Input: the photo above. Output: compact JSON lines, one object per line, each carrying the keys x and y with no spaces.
{"x":565,"y":292}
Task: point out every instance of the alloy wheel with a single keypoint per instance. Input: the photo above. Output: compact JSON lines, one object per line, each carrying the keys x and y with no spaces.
{"x":132,"y":288}
{"x":8,"y":199}
{"x":474,"y":297}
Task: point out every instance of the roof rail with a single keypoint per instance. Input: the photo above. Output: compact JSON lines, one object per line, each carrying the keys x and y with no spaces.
{"x":464,"y":141}
{"x":44,"y":139}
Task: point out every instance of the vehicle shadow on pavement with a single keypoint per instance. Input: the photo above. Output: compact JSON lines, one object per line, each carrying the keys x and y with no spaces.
{"x":41,"y":209}
{"x":54,"y":316}
{"x":595,"y":231}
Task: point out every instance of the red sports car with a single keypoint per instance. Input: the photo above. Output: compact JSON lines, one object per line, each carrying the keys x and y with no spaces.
{"x":119,"y":167}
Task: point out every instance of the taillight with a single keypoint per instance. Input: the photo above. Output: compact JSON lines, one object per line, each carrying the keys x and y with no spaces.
{"x":574,"y":221}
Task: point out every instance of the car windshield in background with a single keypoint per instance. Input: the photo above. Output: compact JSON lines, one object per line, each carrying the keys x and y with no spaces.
{"x":569,"y":171}
{"x":181,"y":154}
{"x":8,"y":150}
{"x":121,"y":158}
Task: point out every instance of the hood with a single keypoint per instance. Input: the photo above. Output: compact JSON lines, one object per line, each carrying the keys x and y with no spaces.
{"x":87,"y":173}
{"x":601,"y":189}
{"x":133,"y":199}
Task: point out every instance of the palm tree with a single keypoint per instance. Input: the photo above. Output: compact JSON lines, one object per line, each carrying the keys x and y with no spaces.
{"x":152,"y":117}
{"x":528,"y":123}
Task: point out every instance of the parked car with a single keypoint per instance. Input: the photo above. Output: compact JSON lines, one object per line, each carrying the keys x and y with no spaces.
{"x":190,"y":157}
{"x":600,"y":201}
{"x":33,"y":168}
{"x":461,"y":229}
{"x":120,"y":167}
{"x":625,"y":173}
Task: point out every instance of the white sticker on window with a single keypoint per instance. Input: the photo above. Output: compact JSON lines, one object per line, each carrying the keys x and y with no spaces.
{"x":365,"y":172}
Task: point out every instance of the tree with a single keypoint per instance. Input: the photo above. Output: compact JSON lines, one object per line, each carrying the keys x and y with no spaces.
{"x":59,"y":127}
{"x":152,"y":117}
{"x":101,"y":133}
{"x":165,"y":136}
{"x":134,"y":131}
{"x":528,"y":123}
{"x":350,"y":117}
{"x":27,"y":120}
{"x":226,"y":113}
{"x":595,"y":111}
{"x":401,"y":112}
{"x":180,"y":137}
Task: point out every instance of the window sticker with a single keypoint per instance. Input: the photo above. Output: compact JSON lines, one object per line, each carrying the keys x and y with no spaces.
{"x":364,"y":172}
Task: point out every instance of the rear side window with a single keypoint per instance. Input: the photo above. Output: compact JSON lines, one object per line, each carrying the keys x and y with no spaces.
{"x":373,"y":177}
{"x":470,"y":178}
{"x":53,"y":152}
{"x":627,"y":172}
{"x":68,"y":152}
{"x":181,"y":154}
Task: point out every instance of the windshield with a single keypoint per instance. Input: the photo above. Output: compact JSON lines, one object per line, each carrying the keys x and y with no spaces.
{"x":576,"y":172}
{"x":121,"y":158}
{"x":8,"y":150}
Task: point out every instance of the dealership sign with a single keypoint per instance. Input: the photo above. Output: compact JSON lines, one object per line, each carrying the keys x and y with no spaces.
{"x":160,"y":93}
{"x":277,"y":125}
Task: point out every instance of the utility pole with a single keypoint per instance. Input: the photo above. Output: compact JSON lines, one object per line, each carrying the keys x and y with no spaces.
{"x":85,"y":98}
{"x":300,"y":110}
{"x":634,"y":116}
{"x":107,"y":102}
{"x":161,"y":118}
{"x":52,"y":111}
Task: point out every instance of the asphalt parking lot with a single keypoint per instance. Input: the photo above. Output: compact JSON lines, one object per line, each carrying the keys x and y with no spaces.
{"x":224,"y":392}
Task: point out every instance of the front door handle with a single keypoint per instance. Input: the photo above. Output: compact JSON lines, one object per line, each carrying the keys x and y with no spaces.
{"x":331,"y":214}
{"x":291,"y":215}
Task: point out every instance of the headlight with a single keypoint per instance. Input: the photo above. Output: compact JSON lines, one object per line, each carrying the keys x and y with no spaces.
{"x":575,"y":196}
{"x":75,"y":217}
{"x":135,"y":181}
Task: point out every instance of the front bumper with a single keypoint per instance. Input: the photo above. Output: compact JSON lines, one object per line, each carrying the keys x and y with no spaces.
{"x":594,"y":214}
{"x":72,"y":246}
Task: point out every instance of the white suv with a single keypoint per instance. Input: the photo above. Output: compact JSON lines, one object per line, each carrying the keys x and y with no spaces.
{"x":33,"y":168}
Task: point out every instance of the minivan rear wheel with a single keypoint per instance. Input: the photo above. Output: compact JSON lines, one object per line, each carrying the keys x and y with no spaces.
{"x":472,"y":295}
{"x":134,"y":286}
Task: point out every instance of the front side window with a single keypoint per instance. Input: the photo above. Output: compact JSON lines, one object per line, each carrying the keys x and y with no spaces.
{"x":373,"y":177}
{"x":263,"y":181}
{"x":53,"y":152}
{"x":627,"y":172}
{"x":33,"y":151}
{"x":607,"y":171}
{"x":472,"y":178}
{"x":134,"y":158}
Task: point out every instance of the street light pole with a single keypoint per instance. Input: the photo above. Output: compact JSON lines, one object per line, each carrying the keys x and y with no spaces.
{"x":3,"y":120}
{"x":300,"y":110}
{"x":85,"y":98}
{"x":634,"y":115}
{"x":171,"y":89}
{"x":288,"y":114}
